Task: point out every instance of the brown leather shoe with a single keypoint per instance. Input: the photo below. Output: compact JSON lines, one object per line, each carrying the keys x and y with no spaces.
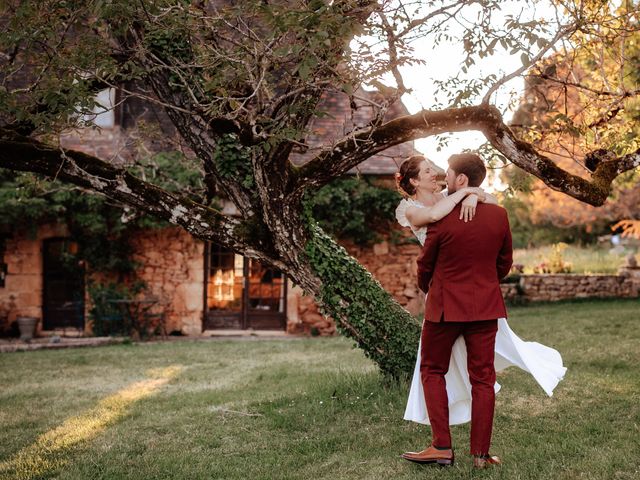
{"x":485,"y":462}
{"x":444,"y":458}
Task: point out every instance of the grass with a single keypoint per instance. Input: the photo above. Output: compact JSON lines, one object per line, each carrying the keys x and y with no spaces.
{"x":313,"y":409}
{"x":587,"y":260}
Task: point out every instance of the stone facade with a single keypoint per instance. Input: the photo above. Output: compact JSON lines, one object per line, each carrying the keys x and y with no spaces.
{"x":171,"y":263}
{"x":304,"y":317}
{"x":110,"y":144}
{"x":172,"y":266}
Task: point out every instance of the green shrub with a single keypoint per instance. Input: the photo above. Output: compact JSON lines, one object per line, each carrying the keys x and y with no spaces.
{"x":108,"y":316}
{"x":354,"y":209}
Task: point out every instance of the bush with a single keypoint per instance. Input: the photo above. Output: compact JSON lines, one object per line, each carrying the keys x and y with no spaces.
{"x":354,"y":209}
{"x":555,"y":263}
{"x":106,"y":314}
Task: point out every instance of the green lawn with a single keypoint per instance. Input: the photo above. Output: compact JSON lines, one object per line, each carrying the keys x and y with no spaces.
{"x":313,"y":409}
{"x":590,"y":259}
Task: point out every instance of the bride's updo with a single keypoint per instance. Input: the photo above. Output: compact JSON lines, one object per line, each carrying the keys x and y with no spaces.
{"x":410,"y":168}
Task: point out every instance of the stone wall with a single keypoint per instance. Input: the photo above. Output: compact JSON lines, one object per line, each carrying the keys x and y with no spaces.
{"x":108,"y":144}
{"x":304,"y":317}
{"x":172,"y":265}
{"x":393,"y":264}
{"x":554,"y":287}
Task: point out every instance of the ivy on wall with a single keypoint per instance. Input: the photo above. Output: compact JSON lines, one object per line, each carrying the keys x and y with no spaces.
{"x":96,"y":225}
{"x":100,"y":228}
{"x":355,"y":209}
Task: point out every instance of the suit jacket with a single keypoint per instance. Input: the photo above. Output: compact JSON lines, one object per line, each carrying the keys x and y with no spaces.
{"x":461,"y":265}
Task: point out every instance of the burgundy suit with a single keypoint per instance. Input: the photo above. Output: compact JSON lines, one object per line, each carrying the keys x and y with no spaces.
{"x":460,"y":266}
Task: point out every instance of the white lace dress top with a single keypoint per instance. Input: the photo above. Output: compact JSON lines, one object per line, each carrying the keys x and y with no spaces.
{"x":401,"y":216}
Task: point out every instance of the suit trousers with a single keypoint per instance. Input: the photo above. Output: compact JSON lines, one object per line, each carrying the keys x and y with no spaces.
{"x":437,"y":341}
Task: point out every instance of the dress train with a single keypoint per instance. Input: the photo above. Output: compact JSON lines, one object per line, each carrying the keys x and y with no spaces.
{"x":542,"y":362}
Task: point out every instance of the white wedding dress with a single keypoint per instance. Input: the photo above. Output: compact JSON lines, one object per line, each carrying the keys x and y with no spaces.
{"x":543,"y":363}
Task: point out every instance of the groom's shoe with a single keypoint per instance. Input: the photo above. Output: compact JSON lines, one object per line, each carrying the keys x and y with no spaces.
{"x":485,"y":461}
{"x":431,"y":454}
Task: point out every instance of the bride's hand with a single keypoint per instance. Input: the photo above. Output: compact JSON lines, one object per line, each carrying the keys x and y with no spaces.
{"x":479,"y":192}
{"x":468,"y":210}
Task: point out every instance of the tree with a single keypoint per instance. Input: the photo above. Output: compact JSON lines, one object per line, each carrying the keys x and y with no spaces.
{"x":240,"y":82}
{"x":553,"y":117}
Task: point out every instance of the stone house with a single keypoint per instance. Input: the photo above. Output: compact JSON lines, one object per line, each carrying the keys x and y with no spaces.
{"x":199,"y":287}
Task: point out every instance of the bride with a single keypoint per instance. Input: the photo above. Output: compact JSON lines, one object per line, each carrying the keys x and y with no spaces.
{"x":424,"y":204}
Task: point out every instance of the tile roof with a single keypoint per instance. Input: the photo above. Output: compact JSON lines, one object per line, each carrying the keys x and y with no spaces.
{"x":117,"y":146}
{"x":339,"y":119}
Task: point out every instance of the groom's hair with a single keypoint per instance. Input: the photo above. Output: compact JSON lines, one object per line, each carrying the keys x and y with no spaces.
{"x":471,"y":165}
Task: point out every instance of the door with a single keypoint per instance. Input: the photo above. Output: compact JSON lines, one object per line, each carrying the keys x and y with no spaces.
{"x":267,"y":297}
{"x":63,"y":285}
{"x":241,"y":293}
{"x":224,"y":277}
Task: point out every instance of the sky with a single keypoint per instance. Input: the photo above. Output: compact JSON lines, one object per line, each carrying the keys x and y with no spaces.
{"x":445,"y":60}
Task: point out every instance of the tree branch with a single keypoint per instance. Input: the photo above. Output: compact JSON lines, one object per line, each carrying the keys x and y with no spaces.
{"x":363,"y":143}
{"x":604,"y":93}
{"x":626,"y":163}
{"x":24,"y":154}
{"x":560,"y":34}
{"x":413,"y":24}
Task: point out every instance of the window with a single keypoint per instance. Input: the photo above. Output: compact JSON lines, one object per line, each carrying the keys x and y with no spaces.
{"x":242,"y":293}
{"x":103,"y":114}
{"x":226,"y":279}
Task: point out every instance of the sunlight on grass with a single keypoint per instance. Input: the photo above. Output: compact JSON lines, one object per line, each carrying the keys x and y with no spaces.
{"x":583,"y":260}
{"x":48,"y":451}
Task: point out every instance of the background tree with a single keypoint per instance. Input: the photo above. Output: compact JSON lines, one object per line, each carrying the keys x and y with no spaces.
{"x":240,"y":82}
{"x":579,"y":104}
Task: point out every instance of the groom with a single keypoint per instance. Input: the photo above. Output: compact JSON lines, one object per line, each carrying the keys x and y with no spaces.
{"x":460,"y":267}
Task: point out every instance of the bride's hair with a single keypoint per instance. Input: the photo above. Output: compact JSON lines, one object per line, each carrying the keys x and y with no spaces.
{"x":409,"y":168}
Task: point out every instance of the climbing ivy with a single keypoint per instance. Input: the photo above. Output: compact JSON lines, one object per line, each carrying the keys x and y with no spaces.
{"x":101,"y":228}
{"x":97,"y":225}
{"x":233,"y":160}
{"x":386,"y":332}
{"x":354,"y":209}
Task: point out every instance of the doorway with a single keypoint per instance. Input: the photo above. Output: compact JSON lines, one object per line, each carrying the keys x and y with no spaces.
{"x":63,"y":285}
{"x":241,"y":293}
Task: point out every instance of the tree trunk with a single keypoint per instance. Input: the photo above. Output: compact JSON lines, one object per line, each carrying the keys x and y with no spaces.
{"x":361,"y":308}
